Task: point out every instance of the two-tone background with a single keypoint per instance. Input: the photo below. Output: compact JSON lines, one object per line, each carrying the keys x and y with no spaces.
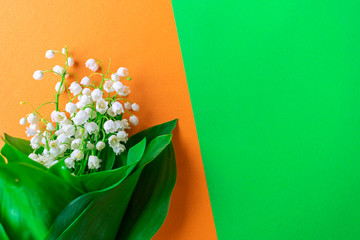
{"x":269,"y":91}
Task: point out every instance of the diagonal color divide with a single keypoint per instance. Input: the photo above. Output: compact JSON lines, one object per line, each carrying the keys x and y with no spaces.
{"x":140,"y":35}
{"x":275,"y":88}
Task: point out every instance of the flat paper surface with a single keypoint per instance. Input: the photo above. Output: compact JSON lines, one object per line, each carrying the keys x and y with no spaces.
{"x":275,"y":89}
{"x":139,"y":35}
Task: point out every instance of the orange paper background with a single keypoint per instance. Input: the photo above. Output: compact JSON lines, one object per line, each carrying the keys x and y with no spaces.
{"x":140,"y":35}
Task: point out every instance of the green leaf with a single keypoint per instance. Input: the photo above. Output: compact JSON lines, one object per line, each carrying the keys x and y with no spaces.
{"x":30,"y":200}
{"x":120,"y":160}
{"x":151,"y":133}
{"x":97,"y":214}
{"x":17,"y":150}
{"x":2,"y":160}
{"x":104,"y":179}
{"x":3,"y":234}
{"x":156,"y":146}
{"x":60,"y":170}
{"x":149,"y":204}
{"x":81,"y":219}
{"x":136,"y":152}
{"x":107,"y":155}
{"x":20,"y":144}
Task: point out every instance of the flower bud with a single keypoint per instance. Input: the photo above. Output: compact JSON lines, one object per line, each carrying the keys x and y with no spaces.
{"x":38,"y":75}
{"x":135,"y":107}
{"x":50,"y":127}
{"x":85,"y":81}
{"x":127,"y":106}
{"x":100,"y":145}
{"x":49,"y":54}
{"x":134,"y":120}
{"x":96,"y":94}
{"x":33,"y":119}
{"x":70,"y":61}
{"x":70,"y":107}
{"x":86,"y":91}
{"x":59,"y":70}
{"x":23,"y":121}
{"x":92,"y":65}
{"x":57,"y":86}
{"x":75,"y":88}
{"x":122,"y":72}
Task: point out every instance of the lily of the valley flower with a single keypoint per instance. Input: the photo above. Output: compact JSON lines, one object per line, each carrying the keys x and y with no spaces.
{"x":70,"y":61}
{"x":49,"y":54}
{"x":70,"y":107}
{"x":100,"y":145}
{"x":134,"y":120}
{"x":135,"y":107}
{"x":92,"y":119}
{"x":57,"y":86}
{"x":85,"y":81}
{"x":23,"y":121}
{"x":75,"y":88}
{"x":38,"y":75}
{"x":92,"y":65}
{"x":122,"y":72}
{"x":59,"y":70}
{"x":96,"y":94}
{"x":81,"y":117}
{"x":127,"y":106}
{"x":94,"y":162}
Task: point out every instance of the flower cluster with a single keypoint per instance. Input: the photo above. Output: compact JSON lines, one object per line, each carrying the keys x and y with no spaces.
{"x":92,"y":121}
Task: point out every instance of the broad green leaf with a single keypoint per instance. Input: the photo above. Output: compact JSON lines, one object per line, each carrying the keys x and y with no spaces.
{"x":16,"y":150}
{"x":98,"y":214}
{"x":81,"y":218}
{"x":120,"y":160}
{"x":104,"y":179}
{"x":107,"y":155}
{"x":60,"y":170}
{"x":30,"y":200}
{"x":69,"y":215}
{"x":20,"y":144}
{"x":149,"y":203}
{"x":3,"y":234}
{"x":136,"y":152}
{"x":155,"y":147}
{"x":151,"y":133}
{"x":2,"y":160}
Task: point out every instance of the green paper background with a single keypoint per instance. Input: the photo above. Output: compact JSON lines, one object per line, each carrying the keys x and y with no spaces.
{"x":275,"y":92}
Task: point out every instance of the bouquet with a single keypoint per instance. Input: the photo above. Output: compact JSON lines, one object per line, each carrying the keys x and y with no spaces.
{"x":81,"y":176}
